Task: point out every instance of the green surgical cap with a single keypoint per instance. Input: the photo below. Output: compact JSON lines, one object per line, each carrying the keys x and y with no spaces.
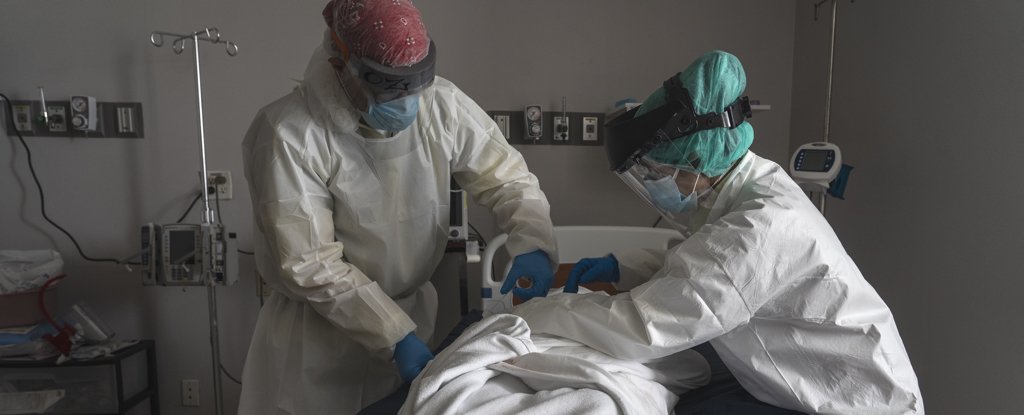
{"x":714,"y":80}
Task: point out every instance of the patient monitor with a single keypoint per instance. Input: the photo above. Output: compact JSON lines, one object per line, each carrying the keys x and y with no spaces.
{"x":815,"y":165}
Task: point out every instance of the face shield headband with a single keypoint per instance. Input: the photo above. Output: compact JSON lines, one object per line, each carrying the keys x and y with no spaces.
{"x":627,"y":137}
{"x":383,"y":83}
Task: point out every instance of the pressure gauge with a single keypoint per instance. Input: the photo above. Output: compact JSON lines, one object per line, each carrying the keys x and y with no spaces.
{"x":79,"y":104}
{"x":534,"y":121}
{"x":84,"y":114}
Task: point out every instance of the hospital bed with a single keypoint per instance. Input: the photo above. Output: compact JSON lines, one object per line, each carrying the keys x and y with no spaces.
{"x":723,"y":395}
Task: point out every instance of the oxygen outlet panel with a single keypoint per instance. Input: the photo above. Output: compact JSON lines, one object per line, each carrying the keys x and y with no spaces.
{"x":560,"y":128}
{"x":80,"y":117}
{"x":581,"y":128}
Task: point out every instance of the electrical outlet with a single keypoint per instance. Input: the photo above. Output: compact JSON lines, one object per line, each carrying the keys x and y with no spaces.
{"x":220,"y":180}
{"x":589,"y":129}
{"x":560,"y":128}
{"x":23,"y":117}
{"x":189,"y":392}
{"x":503,"y":123}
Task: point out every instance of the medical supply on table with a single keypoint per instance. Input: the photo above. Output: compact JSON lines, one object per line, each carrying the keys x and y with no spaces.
{"x":27,"y":270}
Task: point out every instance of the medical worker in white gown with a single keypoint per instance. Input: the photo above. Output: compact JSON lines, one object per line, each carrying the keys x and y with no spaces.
{"x":350,"y":178}
{"x":761,"y":274}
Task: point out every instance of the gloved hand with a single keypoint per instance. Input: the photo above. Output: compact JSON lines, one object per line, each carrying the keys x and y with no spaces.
{"x":534,"y":266}
{"x":604,"y":269}
{"x":411,"y":356}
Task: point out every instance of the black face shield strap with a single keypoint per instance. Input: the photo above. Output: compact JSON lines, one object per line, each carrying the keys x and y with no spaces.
{"x":388,"y":83}
{"x":629,"y":137}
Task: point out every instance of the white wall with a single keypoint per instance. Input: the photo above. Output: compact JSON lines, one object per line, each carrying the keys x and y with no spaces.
{"x":926,"y":106}
{"x":592,"y":52}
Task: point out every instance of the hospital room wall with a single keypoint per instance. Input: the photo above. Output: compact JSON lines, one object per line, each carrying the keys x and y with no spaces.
{"x":925,"y":101}
{"x":507,"y":55}
{"x":504,"y":54}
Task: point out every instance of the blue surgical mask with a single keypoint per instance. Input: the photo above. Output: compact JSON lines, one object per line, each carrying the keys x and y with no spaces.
{"x":665,"y":194}
{"x":393,"y":116}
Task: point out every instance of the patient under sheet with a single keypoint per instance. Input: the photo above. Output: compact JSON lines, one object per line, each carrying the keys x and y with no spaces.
{"x":497,"y":367}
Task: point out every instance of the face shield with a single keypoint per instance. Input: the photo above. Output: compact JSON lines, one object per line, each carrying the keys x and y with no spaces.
{"x":677,"y":193}
{"x":674,"y":190}
{"x":368,"y":83}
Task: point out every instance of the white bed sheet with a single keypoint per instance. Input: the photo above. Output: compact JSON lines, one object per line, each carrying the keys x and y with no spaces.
{"x":496,"y":367}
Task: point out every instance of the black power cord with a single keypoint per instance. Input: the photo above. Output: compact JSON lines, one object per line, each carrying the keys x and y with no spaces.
{"x":42,"y":198}
{"x":190,"y":206}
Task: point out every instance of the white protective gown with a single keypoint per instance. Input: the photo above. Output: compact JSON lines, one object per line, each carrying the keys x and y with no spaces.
{"x":350,"y":229}
{"x":766,"y":280}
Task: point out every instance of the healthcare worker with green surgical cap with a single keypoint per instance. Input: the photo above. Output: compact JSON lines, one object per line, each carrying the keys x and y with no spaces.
{"x":350,"y":179}
{"x":760,"y":275}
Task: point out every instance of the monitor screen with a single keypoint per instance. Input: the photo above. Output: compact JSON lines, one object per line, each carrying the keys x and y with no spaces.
{"x":814,"y":160}
{"x":183,"y":246}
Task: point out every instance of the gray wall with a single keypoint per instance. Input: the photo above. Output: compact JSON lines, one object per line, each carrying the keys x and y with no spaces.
{"x":504,"y":54}
{"x":926,"y":107}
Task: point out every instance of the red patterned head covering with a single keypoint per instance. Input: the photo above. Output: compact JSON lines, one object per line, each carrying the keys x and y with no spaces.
{"x":389,"y":32}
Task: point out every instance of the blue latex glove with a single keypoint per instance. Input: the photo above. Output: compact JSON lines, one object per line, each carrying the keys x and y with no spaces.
{"x":534,"y":266}
{"x":604,"y":269}
{"x":411,"y":356}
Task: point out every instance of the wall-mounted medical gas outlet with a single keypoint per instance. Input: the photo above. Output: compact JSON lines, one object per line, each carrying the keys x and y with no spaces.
{"x":57,"y":122}
{"x":584,"y":128}
{"x":560,"y":128}
{"x":534,"y":122}
{"x":220,"y":180}
{"x":590,"y":128}
{"x":82,"y":116}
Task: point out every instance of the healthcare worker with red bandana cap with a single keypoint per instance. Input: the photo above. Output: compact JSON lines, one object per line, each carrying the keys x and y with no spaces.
{"x":761,"y":276}
{"x":350,"y":177}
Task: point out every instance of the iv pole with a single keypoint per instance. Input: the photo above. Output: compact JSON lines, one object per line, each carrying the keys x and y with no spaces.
{"x":211,"y":226}
{"x":822,"y":196}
